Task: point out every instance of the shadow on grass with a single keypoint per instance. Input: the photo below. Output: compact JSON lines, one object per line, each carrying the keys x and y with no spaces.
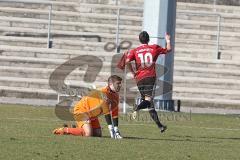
{"x":205,"y":137}
{"x":184,"y":139}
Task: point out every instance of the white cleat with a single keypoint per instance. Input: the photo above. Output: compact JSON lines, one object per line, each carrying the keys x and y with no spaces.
{"x":134,"y":114}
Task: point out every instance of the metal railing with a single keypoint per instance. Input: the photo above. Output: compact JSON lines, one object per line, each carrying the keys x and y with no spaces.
{"x":179,"y":12}
{"x":49,"y":3}
{"x":118,"y":51}
{"x":118,"y":8}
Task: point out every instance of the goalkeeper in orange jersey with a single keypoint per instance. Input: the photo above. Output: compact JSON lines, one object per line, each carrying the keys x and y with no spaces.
{"x":99,"y":102}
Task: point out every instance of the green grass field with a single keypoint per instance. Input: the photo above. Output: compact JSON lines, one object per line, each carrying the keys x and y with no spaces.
{"x":26,"y":133}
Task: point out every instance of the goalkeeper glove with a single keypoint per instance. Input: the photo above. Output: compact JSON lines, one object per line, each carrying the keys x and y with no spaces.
{"x":111,"y":131}
{"x":114,"y":132}
{"x":117,"y":133}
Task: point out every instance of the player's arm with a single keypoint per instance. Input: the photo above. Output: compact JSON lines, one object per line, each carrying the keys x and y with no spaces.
{"x":108,"y":116}
{"x":112,"y":122}
{"x":110,"y":125}
{"x":130,"y":58}
{"x":129,"y":65}
{"x":167,"y":48}
{"x":115,"y":123}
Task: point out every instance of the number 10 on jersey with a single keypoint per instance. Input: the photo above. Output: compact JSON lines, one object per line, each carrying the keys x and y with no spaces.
{"x":146,"y":59}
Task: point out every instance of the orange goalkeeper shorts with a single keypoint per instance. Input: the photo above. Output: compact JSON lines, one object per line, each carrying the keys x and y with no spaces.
{"x":94,"y":122}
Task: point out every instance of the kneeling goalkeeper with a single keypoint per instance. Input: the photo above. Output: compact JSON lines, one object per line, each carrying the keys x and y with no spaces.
{"x":99,"y":102}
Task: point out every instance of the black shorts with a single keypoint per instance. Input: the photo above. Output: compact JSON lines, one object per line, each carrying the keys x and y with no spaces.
{"x":146,"y":86}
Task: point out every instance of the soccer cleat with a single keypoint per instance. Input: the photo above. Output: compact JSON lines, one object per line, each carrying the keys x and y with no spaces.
{"x":163,"y":129}
{"x":59,"y":131}
{"x":134,"y":114}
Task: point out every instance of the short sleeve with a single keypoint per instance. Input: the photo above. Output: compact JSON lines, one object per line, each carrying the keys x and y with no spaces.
{"x":159,"y":49}
{"x":131,"y":55}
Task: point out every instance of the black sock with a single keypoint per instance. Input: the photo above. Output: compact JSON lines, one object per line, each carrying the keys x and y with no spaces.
{"x":154,"y":116}
{"x":144,"y":104}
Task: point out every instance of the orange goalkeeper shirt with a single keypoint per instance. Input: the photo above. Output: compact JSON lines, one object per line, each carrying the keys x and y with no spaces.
{"x":96,"y":104}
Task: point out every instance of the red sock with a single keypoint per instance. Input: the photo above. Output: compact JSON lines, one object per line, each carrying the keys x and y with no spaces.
{"x":75,"y":131}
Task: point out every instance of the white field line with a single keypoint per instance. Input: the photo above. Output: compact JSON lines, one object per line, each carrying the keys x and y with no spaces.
{"x":128,"y":124}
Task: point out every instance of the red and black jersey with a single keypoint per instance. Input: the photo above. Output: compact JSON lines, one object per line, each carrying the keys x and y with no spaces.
{"x":145,"y":57}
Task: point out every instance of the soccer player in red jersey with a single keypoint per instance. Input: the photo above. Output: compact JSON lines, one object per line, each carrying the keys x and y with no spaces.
{"x":145,"y":57}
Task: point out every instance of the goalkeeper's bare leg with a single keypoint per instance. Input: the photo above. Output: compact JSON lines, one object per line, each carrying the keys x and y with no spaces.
{"x":90,"y":128}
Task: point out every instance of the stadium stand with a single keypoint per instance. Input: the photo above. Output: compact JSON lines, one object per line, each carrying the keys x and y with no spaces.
{"x":200,"y":79}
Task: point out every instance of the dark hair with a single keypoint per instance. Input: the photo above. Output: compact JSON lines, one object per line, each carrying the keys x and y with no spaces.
{"x":114,"y":78}
{"x":144,"y":37}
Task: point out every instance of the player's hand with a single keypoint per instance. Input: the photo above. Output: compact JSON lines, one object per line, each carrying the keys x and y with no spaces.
{"x":167,"y":37}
